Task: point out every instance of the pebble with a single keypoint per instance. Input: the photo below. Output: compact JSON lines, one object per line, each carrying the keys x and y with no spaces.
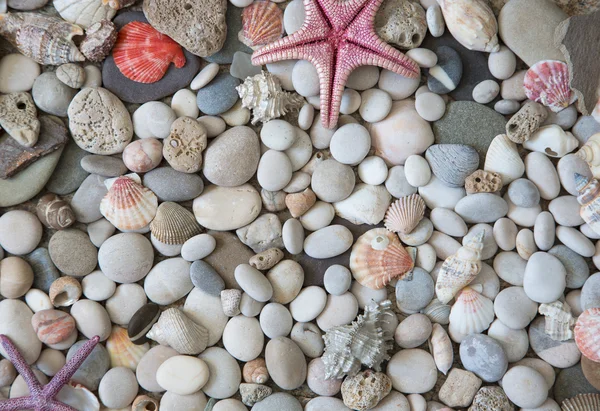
{"x":237,"y":115}
{"x":153,"y":120}
{"x":293,"y":236}
{"x":502,"y":64}
{"x":413,"y":331}
{"x":205,"y":76}
{"x":93,"y":368}
{"x":452,"y":163}
{"x":544,"y":230}
{"x":253,"y":282}
{"x":414,"y":295}
{"x":351,"y":100}
{"x":305,"y":78}
{"x":397,"y":86}
{"x":243,"y":338}
{"x":565,"y":210}
{"x":308,"y":337}
{"x":523,"y":216}
{"x":224,"y":373}
{"x":430,"y":106}
{"x":52,"y":95}
{"x":505,"y":234}
{"x":285,"y":363}
{"x":278,"y":135}
{"x":20,"y":232}
{"x":512,"y":88}
{"x":301,"y":151}
{"x":444,"y":245}
{"x":540,"y":366}
{"x":363,"y":78}
{"x":229,"y":404}
{"x":576,"y":267}
{"x":523,"y":193}
{"x":86,"y":201}
{"x":486,"y":91}
{"x":98,"y":287}
{"x":420,"y":235}
{"x":573,"y":298}
{"x":149,"y":364}
{"x":37,"y":300}
{"x":286,"y":279}
{"x":507,"y":107}
{"x":126,"y":258}
{"x":125,"y":302}
{"x":318,"y":216}
{"x":275,"y":321}
{"x":571,"y":382}
{"x":72,"y":252}
{"x":293,"y":17}
{"x":417,"y":171}
{"x":274,"y":170}
{"x":309,"y":303}
{"x":53,"y":326}
{"x":219,"y":95}
{"x":514,"y":342}
{"x":171,"y":185}
{"x":278,"y":401}
{"x":483,"y":356}
{"x":233,"y":20}
{"x":198,"y":247}
{"x":337,"y":279}
{"x":545,"y":278}
{"x":373,"y":170}
{"x":584,"y":128}
{"x":214,"y":125}
{"x":541,"y":172}
{"x":18,"y":73}
{"x":375,"y":105}
{"x":204,"y":277}
{"x":397,"y":184}
{"x":332,"y":181}
{"x":339,"y":310}
{"x":565,"y":118}
{"x":227,"y":208}
{"x":183,"y":103}
{"x":422,"y":56}
{"x":68,"y":174}
{"x":16,"y":324}
{"x":241,"y":66}
{"x":93,"y":76}
{"x":435,"y":21}
{"x":326,"y":403}
{"x":525,"y":387}
{"x":567,"y":167}
{"x":481,"y":208}
{"x":306,"y":116}
{"x":514,"y":308}
{"x":412,"y":371}
{"x":174,"y":402}
{"x":50,"y":361}
{"x":328,"y":242}
{"x":91,"y":319}
{"x":590,"y":293}
{"x":576,"y":241}
{"x":315,"y":379}
{"x":447,"y":73}
{"x":105,"y":165}
{"x":510,"y":267}
{"x":118,"y":388}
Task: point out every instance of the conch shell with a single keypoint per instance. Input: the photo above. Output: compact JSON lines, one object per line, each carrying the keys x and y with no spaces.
{"x":263,"y":95}
{"x":472,"y":23}
{"x":559,"y":320}
{"x":378,"y":257}
{"x":589,"y":198}
{"x":405,"y":214}
{"x":459,"y":269}
{"x":45,"y":39}
{"x":179,"y":332}
{"x":440,"y":347}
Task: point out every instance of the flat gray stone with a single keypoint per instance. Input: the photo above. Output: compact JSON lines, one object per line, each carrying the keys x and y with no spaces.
{"x":171,"y":185}
{"x":44,"y":270}
{"x":68,"y":175}
{"x":86,"y":201}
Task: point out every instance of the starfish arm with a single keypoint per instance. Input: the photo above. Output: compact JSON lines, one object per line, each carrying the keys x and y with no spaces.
{"x":64,"y":375}
{"x":59,"y":406}
{"x":340,"y":13}
{"x":19,"y":403}
{"x":20,"y":364}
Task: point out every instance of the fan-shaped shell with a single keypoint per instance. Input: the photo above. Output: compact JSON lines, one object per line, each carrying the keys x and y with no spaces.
{"x":440,"y":347}
{"x":459,"y":269}
{"x":587,"y":332}
{"x":404,"y":214}
{"x":179,"y":332}
{"x":472,"y":313}
{"x":262,"y":23}
{"x":437,"y":312}
{"x":547,"y":82}
{"x":143,"y":54}
{"x":122,"y":352}
{"x":174,"y":224}
{"x":128,"y":205}
{"x":582,"y":402}
{"x":84,"y":13}
{"x":503,"y":158}
{"x":378,"y":257}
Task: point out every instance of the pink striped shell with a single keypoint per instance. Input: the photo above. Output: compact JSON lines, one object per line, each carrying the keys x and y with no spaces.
{"x":587,"y":333}
{"x":547,"y":82}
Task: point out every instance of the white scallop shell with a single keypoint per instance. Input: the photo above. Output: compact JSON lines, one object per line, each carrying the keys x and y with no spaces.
{"x":440,"y":347}
{"x":472,"y":313}
{"x":84,"y":12}
{"x":503,"y":158}
{"x":552,"y":140}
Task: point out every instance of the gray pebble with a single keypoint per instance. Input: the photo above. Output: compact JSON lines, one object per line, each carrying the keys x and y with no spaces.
{"x":242,"y":66}
{"x":44,"y":270}
{"x":262,"y":234}
{"x":68,"y":174}
{"x":483,"y":356}
{"x":278,"y":401}
{"x":576,"y":266}
{"x":481,"y":208}
{"x":396,"y":183}
{"x":584,"y":128}
{"x":544,"y":230}
{"x":565,"y":118}
{"x":414,"y":294}
{"x":560,"y":354}
{"x":567,"y":167}
{"x":26,"y":4}
{"x":337,"y":279}
{"x":205,"y":277}
{"x":106,"y":166}
{"x":171,"y":185}
{"x":87,"y":198}
{"x":452,"y":163}
{"x":449,"y":66}
{"x":486,"y":91}
{"x":91,"y":371}
{"x":523,"y":193}
{"x":571,"y":382}
{"x":72,"y":252}
{"x":99,"y":231}
{"x":52,"y":95}
{"x":507,"y":107}
{"x":332,"y":181}
{"x":219,"y":95}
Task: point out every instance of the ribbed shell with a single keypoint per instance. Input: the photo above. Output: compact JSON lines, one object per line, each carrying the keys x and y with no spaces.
{"x":590,"y":151}
{"x":559,"y":320}
{"x":582,"y":402}
{"x":404,"y":214}
{"x":440,"y":347}
{"x":472,"y":23}
{"x":547,"y":82}
{"x":122,"y":352}
{"x":174,"y":224}
{"x":84,"y":13}
{"x":587,"y":333}
{"x":589,"y":198}
{"x":459,"y":269}
{"x":378,"y":257}
{"x":179,"y":332}
{"x":143,"y":54}
{"x":262,"y":23}
{"x":437,"y":312}
{"x":503,"y":158}
{"x":472,"y":313}
{"x":128,"y":205}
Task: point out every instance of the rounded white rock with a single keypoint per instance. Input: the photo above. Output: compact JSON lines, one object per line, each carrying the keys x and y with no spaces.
{"x":184,"y":104}
{"x":205,"y":75}
{"x":417,"y":171}
{"x":430,"y":106}
{"x":373,"y":170}
{"x":182,"y":374}
{"x":375,"y":105}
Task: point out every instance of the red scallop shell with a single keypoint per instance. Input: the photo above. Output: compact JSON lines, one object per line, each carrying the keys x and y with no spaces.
{"x":547,"y":82}
{"x":262,"y":23}
{"x":143,"y":54}
{"x":587,"y":333}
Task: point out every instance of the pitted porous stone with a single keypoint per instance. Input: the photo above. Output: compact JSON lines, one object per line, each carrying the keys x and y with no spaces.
{"x":99,"y":122}
{"x":401,"y":22}
{"x":526,"y":122}
{"x":71,"y":74}
{"x":18,"y":117}
{"x":483,"y":182}
{"x":199,"y":26}
{"x":184,"y":146}
{"x":491,"y":398}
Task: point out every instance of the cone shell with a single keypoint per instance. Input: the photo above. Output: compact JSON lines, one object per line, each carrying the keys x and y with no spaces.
{"x":440,"y":347}
{"x":587,"y":330}
{"x":378,"y":257}
{"x":582,"y":402}
{"x":459,"y":269}
{"x":128,"y":205}
{"x":472,"y":313}
{"x":503,"y":158}
{"x":122,"y":352}
{"x":262,"y":24}
{"x":547,"y":82}
{"x":143,"y":54}
{"x":472,"y":23}
{"x":404,"y":214}
{"x":174,"y":224}
{"x":179,"y":332}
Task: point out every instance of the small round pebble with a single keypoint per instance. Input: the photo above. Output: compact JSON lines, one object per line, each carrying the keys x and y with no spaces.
{"x":545,"y":278}
{"x":17,"y":73}
{"x":183,"y":103}
{"x":502,"y":64}
{"x":308,"y":337}
{"x":373,"y":170}
{"x":412,"y":371}
{"x":315,"y":379}
{"x":486,"y":91}
{"x":153,"y":119}
{"x":20,"y":232}
{"x":332,"y":181}
{"x":125,"y":302}
{"x":363,"y":77}
{"x":126,"y":258}
{"x":168,"y":281}
{"x":375,"y":105}
{"x":423,"y":57}
{"x":278,"y":135}
{"x":350,"y":144}
{"x":219,"y":95}
{"x":309,"y":303}
{"x":483,"y":356}
{"x":397,"y":184}
{"x":306,"y":116}
{"x":275,"y":321}
{"x":224,"y":373}
{"x":278,"y":401}
{"x":414,"y":295}
{"x":514,"y":308}
{"x":396,"y":85}
{"x":286,"y":363}
{"x":118,"y":388}
{"x":143,"y":155}
{"x":430,"y":106}
{"x":305,"y":78}
{"x":525,"y":387}
{"x":72,"y":252}
{"x":182,"y":374}
{"x":253,"y":282}
{"x":214,"y":125}
{"x":351,"y":100}
{"x":50,"y":361}
{"x":274,"y":170}
{"x":523,"y":193}
{"x":413,"y":331}
{"x":507,"y":107}
{"x":338,"y":310}
{"x":337,"y":279}
{"x":149,"y":364}
{"x":198,"y":247}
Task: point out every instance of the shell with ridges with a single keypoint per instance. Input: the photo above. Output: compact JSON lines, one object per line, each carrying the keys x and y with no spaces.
{"x":472,"y":313}
{"x":45,"y":39}
{"x":122,"y":352}
{"x":437,"y":312}
{"x":362,"y":342}
{"x":503,"y":158}
{"x":54,"y":212}
{"x":404,"y":214}
{"x":547,"y":82}
{"x":179,"y":332}
{"x":590,"y":151}
{"x":262,"y":23}
{"x":84,"y":13}
{"x":263,"y":95}
{"x":128,"y":205}
{"x":589,"y":198}
{"x":587,"y":330}
{"x":440,"y":347}
{"x":173,"y":224}
{"x":559,"y":320}
{"x":378,"y":257}
{"x":582,"y":402}
{"x":472,"y":23}
{"x":459,"y":269}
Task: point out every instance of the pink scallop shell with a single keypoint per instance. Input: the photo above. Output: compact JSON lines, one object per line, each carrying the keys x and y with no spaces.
{"x":547,"y":82}
{"x":262,"y":23}
{"x":587,"y":333}
{"x":128,"y":205}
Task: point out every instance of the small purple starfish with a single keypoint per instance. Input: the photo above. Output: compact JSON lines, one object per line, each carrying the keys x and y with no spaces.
{"x":41,"y":398}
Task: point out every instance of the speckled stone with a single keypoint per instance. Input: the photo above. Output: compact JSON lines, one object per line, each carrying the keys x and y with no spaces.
{"x":72,"y":252}
{"x":483,"y":356}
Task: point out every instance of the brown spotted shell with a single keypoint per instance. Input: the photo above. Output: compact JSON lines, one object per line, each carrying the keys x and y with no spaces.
{"x":100,"y":38}
{"x":174,"y":224}
{"x":54,"y":212}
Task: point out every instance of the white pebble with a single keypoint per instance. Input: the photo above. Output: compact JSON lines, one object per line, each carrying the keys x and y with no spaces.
{"x":318,"y":216}
{"x":205,"y":76}
{"x":184,"y":103}
{"x":306,"y":116}
{"x":417,"y":171}
{"x":435,"y":21}
{"x":486,"y":91}
{"x":93,"y":76}
{"x":423,"y":57}
{"x":305,"y":78}
{"x":17,"y":73}
{"x":275,"y":320}
{"x":350,"y":144}
{"x":337,"y":279}
{"x":274,"y":170}
{"x":241,"y":3}
{"x":214,"y":125}
{"x":398,"y":86}
{"x":375,"y":105}
{"x":283,"y":71}
{"x":430,"y":106}
{"x":153,"y":119}
{"x":350,"y":101}
{"x":373,"y":170}
{"x":576,"y":241}
{"x":502,"y":64}
{"x":293,"y":236}
{"x":278,"y":135}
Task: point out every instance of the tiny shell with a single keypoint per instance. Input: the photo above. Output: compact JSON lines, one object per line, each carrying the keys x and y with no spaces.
{"x":365,"y":390}
{"x":123,"y":352}
{"x":590,"y":151}
{"x":582,"y":402}
{"x":173,"y":224}
{"x":179,"y":332}
{"x":54,"y":212}
{"x":230,"y":300}
{"x":437,"y":312}
{"x":262,"y":23}
{"x":472,"y":313}
{"x":404,"y":214}
{"x":255,"y":371}
{"x":587,"y":329}
{"x":262,"y":94}
{"x":440,"y":347}
{"x":552,"y":140}
{"x":472,"y":23}
{"x":459,"y":269}
{"x":65,"y":291}
{"x":144,"y":403}
{"x":559,"y":320}
{"x":84,"y":13}
{"x":589,"y":198}
{"x":99,"y":40}
{"x":503,"y":158}
{"x":547,"y":82}
{"x":378,"y":257}
{"x":128,"y":205}
{"x":143,"y":54}
{"x":482,"y":181}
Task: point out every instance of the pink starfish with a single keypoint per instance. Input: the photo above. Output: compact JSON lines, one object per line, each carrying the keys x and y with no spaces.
{"x":41,"y":398}
{"x":337,"y":37}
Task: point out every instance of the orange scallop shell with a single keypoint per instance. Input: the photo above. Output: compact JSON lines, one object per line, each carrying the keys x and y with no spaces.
{"x":587,"y":333}
{"x":143,"y":54}
{"x":378,"y":257}
{"x":262,"y":23}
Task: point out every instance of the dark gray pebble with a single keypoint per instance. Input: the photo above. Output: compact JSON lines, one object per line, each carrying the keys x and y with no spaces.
{"x":141,"y":322}
{"x":171,"y":185}
{"x":206,"y":278}
{"x":571,"y":382}
{"x":44,"y":270}
{"x":106,"y":166}
{"x":446,"y":75}
{"x":219,"y":95}
{"x":68,"y":174}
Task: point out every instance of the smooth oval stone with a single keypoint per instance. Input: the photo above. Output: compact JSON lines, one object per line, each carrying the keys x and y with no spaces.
{"x":91,"y":319}
{"x":118,"y":387}
{"x":315,"y":379}
{"x":328,"y":242}
{"x":72,"y":252}
{"x":20,"y":232}
{"x":15,"y":323}
{"x":249,"y":306}
{"x":229,"y":404}
{"x":542,"y":173}
{"x":365,"y":295}
{"x":37,"y":300}
{"x":525,"y":387}
{"x":444,"y":245}
{"x":69,"y":174}
{"x":308,"y":337}
{"x":141,"y":322}
{"x":98,"y":287}
{"x":483,"y":356}
{"x":448,"y":222}
{"x":149,"y":364}
{"x":171,"y":185}
{"x":523,"y":216}
{"x":332,"y":181}
{"x":452,"y":163}
{"x":510,"y":267}
{"x":243,"y":338}
{"x":44,"y":270}
{"x":540,"y":366}
{"x":286,"y":278}
{"x":285,"y":363}
{"x":301,"y":151}
{"x":206,"y":310}
{"x":397,"y":184}
{"x":126,"y":258}
{"x":559,"y":354}
{"x":486,"y":91}
{"x":576,"y":241}
{"x":414,"y":295}
{"x":292,"y":235}
{"x":52,"y":326}
{"x":91,"y":371}
{"x":430,"y":106}
{"x":182,"y":374}
{"x":86,"y":201}
{"x":51,"y":361}
{"x":575,"y":265}
{"x":106,"y":166}
{"x":337,"y":279}
{"x":505,"y":234}
{"x":446,"y":74}
{"x":318,"y":216}
{"x":275,"y":320}
{"x":565,"y":210}
{"x":413,"y":331}
{"x":229,"y":253}
{"x":52,"y":95}
{"x":514,"y":342}
{"x":224,"y":373}
{"x":417,"y":171}
{"x":420,"y":235}
{"x":590,"y":293}
{"x":198,"y":247}
{"x":544,"y":231}
{"x":545,"y":278}
{"x":253,"y":282}
{"x":523,"y":193}
{"x":412,"y":371}
{"x":278,"y":401}
{"x":514,"y":308}
{"x":205,"y":277}
{"x":437,"y":194}
{"x":219,"y":95}
{"x":309,"y":303}
{"x":175,"y":402}
{"x":274,"y":170}
{"x":338,"y":310}
{"x":567,"y":167}
{"x":168,"y":281}
{"x":481,"y":208}
{"x":227,"y":208}
{"x":153,"y":120}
